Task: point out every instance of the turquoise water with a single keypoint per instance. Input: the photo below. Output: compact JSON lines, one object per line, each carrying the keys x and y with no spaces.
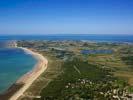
{"x":13,"y":64}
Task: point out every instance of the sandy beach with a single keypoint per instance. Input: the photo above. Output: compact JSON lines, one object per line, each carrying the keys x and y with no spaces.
{"x":31,"y":76}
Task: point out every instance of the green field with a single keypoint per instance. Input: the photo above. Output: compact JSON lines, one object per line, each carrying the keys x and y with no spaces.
{"x":76,"y":71}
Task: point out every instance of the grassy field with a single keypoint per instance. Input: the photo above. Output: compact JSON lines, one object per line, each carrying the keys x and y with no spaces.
{"x":53,"y":70}
{"x":73,"y":71}
{"x":122,"y":66}
{"x":101,"y":68}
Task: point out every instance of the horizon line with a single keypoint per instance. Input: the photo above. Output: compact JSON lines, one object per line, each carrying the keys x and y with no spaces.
{"x":61,"y":34}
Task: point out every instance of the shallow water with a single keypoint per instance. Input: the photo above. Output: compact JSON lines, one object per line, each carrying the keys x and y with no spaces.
{"x":13,"y":64}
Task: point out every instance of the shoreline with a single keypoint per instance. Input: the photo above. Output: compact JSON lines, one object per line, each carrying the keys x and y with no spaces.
{"x":28,"y":78}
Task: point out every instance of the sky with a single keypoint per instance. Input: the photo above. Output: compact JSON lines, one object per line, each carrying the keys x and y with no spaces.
{"x":66,"y":17}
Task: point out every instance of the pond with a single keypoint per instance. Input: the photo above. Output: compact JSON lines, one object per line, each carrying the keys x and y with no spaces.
{"x":96,"y":51}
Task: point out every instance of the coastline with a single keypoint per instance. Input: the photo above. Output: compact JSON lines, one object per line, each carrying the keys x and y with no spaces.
{"x":28,"y":78}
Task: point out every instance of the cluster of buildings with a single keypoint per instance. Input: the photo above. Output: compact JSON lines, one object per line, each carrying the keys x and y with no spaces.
{"x":98,"y":90}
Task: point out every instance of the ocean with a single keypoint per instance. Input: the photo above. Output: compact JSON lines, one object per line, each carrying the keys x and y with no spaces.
{"x":15,"y":62}
{"x":89,"y":37}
